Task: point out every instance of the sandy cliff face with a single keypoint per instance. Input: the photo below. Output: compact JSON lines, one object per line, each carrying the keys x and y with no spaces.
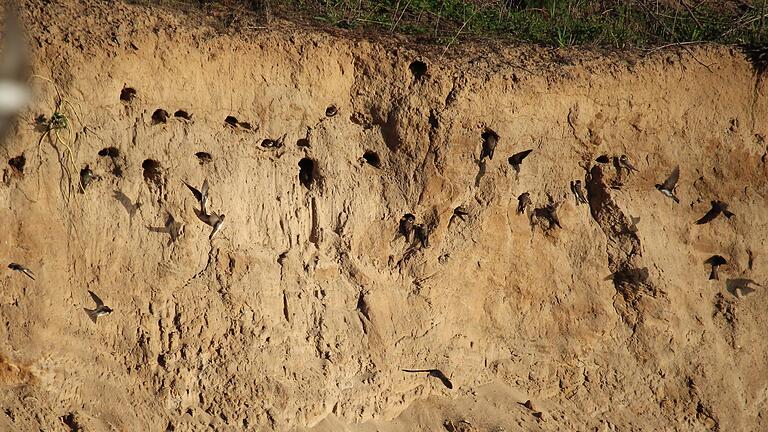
{"x":302,"y":311}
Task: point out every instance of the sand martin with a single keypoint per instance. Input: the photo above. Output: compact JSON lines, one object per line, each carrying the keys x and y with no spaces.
{"x":523,"y":202}
{"x":200,"y":195}
{"x":578,"y":192}
{"x":433,"y":373}
{"x":490,"y":139}
{"x":421,"y":234}
{"x":100,"y":309}
{"x":517,"y":159}
{"x":214,"y":220}
{"x":21,"y":268}
{"x":406,"y":225}
{"x":460,"y":212}
{"x":715,"y":261}
{"x":717,"y":208}
{"x":669,"y":185}
{"x":625,"y":163}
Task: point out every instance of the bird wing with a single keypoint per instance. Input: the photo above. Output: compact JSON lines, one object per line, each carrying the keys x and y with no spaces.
{"x":204,"y":217}
{"x":671,"y":181}
{"x":198,"y":195}
{"x":204,"y":190}
{"x":96,"y":298}
{"x":517,"y":158}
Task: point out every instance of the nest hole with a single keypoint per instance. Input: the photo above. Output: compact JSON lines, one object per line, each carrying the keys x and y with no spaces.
{"x":183,"y":114}
{"x":331,"y":111}
{"x":418,"y":69}
{"x":372,"y":158}
{"x":303,"y":142}
{"x":127,"y":94}
{"x":160,"y":116}
{"x":204,"y":157}
{"x":307,"y":172}
{"x":152,"y":170}
{"x":231,"y":120}
{"x":18,"y":163}
{"x":110,"y":152}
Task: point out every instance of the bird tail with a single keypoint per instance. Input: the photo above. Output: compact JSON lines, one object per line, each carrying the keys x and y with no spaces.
{"x":676,"y":199}
{"x":91,"y":314}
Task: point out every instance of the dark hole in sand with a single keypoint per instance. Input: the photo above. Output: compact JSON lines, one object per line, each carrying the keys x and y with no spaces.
{"x":307,"y":172}
{"x":231,"y":120}
{"x":183,"y":114}
{"x":331,"y":111}
{"x":109,"y":151}
{"x":372,"y":158}
{"x":151,"y":170}
{"x":418,"y":68}
{"x":204,"y":157}
{"x":160,"y":116}
{"x":127,"y":94}
{"x":602,"y":159}
{"x":18,"y":163}
{"x":302,"y":142}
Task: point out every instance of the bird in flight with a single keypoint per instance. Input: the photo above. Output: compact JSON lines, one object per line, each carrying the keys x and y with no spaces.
{"x":21,"y":268}
{"x":99,"y":310}
{"x":669,"y":185}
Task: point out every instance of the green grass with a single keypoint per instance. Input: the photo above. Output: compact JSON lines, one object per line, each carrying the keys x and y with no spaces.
{"x":559,"y":23}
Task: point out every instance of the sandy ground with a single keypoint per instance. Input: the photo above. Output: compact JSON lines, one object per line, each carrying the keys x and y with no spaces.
{"x":302,"y":311}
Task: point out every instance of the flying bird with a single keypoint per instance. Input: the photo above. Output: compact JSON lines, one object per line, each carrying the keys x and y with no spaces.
{"x":625,"y":163}
{"x":406,"y":225}
{"x":100,"y":309}
{"x":578,"y":192}
{"x":669,"y":185}
{"x":715,"y":261}
{"x":21,"y":268}
{"x":717,"y":208}
{"x":460,"y":212}
{"x":214,"y":220}
{"x":433,"y":373}
{"x":517,"y":159}
{"x":201,"y":195}
{"x":490,"y":139}
{"x":523,"y":202}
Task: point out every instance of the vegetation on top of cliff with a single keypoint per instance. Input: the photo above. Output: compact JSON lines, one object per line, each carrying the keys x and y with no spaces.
{"x":606,"y":23}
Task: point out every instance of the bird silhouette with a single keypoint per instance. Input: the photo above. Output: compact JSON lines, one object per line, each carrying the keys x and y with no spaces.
{"x":717,"y":208}
{"x":490,"y":140}
{"x":625,"y":163}
{"x":715,"y":261}
{"x":517,"y":159}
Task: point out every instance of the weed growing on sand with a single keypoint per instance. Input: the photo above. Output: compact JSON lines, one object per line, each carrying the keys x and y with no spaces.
{"x":53,"y":128}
